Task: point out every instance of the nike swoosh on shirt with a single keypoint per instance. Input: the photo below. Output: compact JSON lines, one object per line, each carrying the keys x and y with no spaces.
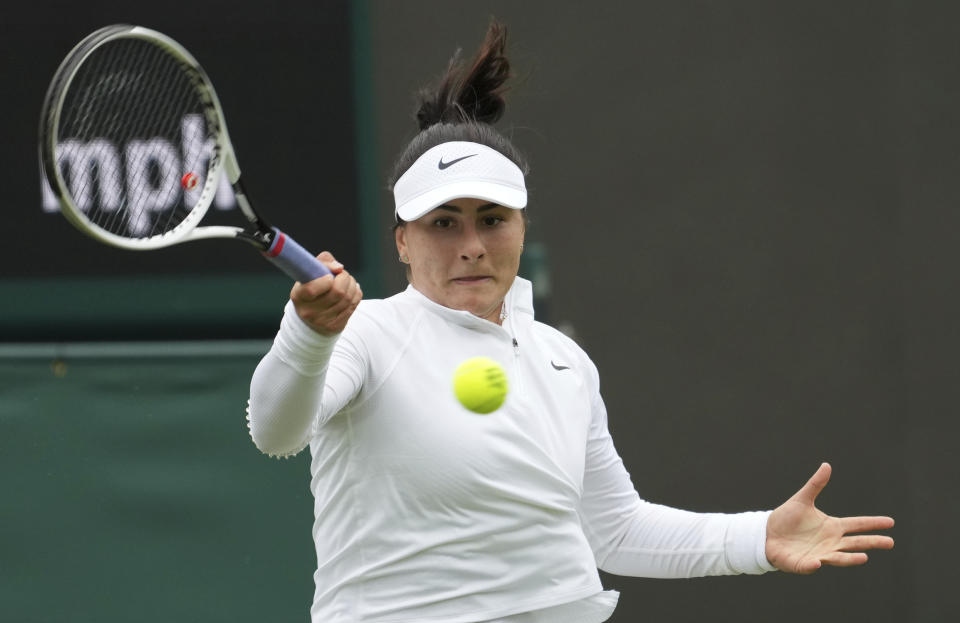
{"x":558,"y":367}
{"x":443,"y":165}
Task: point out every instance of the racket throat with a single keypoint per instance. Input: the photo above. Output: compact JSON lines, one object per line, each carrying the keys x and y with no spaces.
{"x":244,"y":204}
{"x":259,"y":233}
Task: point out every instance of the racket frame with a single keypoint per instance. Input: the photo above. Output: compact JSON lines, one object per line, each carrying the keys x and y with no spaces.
{"x":222,"y":159}
{"x":278,"y":248}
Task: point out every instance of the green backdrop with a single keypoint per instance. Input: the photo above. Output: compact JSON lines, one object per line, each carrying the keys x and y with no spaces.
{"x":132,"y":490}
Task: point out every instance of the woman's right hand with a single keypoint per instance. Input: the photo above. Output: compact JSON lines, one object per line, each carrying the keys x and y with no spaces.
{"x":325,"y":304}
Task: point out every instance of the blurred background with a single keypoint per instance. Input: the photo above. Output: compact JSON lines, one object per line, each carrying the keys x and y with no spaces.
{"x":744,"y":211}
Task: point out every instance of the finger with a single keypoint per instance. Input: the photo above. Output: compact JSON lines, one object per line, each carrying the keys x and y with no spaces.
{"x":844,"y":559}
{"x":326,"y":258}
{"x":324,"y":289}
{"x":327,"y":304}
{"x":338,"y":322}
{"x":338,"y":305}
{"x":864,"y":542}
{"x":809,"y":492}
{"x":329,"y":320}
{"x":312,"y":290}
{"x":337,"y":296}
{"x":344,"y":316}
{"x":865,"y":524}
{"x":343,"y":288}
{"x":354,"y":297}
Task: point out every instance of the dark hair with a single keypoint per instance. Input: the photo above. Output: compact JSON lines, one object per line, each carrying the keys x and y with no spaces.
{"x":464,"y":105}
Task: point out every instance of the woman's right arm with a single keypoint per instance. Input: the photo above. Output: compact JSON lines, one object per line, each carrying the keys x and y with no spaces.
{"x":288,"y":386}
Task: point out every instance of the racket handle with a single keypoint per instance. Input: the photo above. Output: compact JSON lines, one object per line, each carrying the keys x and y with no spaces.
{"x":291,"y":258}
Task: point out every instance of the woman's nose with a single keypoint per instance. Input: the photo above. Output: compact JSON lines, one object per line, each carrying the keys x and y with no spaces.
{"x":472,"y":247}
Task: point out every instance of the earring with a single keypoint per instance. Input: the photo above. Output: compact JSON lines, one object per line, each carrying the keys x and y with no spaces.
{"x":404,"y":259}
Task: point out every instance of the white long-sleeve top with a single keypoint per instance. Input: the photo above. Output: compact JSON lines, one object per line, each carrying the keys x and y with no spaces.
{"x":425,"y":511}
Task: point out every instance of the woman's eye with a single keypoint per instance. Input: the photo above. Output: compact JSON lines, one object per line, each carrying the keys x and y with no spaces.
{"x":491,"y":221}
{"x":443,"y":223}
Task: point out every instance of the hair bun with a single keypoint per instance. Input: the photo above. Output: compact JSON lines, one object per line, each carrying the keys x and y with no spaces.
{"x":470,"y":92}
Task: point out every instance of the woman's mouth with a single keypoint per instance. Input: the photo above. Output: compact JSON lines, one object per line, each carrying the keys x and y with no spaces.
{"x":471,"y":279}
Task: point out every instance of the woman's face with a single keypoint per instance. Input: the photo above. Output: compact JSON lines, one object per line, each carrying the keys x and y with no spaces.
{"x":464,"y":255}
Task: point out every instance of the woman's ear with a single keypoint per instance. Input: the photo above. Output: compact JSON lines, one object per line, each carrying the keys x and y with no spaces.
{"x":400,"y":237}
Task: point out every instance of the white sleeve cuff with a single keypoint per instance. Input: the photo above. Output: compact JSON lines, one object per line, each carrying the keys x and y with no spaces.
{"x":301,"y":347}
{"x":746,"y":543}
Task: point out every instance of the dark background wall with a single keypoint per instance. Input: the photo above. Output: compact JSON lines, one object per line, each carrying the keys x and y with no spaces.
{"x":750,"y":214}
{"x":747,"y":211}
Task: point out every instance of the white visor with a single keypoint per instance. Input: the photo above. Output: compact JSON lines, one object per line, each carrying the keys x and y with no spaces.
{"x":458,"y":170}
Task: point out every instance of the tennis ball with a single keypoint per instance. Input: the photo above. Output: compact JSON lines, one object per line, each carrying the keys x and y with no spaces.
{"x":480,"y":384}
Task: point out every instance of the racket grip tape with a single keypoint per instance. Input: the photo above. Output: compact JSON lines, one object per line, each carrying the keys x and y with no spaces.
{"x":294,"y":260}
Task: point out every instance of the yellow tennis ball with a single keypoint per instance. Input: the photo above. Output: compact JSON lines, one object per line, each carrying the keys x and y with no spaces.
{"x":480,"y":384}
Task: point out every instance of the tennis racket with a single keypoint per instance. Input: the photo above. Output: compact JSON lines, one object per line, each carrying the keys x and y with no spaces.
{"x":133,"y":142}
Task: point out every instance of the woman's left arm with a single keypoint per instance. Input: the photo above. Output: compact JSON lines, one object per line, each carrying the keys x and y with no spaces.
{"x":633,"y":537}
{"x":630,"y":536}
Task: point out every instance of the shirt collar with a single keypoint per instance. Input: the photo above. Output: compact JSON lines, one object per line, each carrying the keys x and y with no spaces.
{"x":518,"y":304}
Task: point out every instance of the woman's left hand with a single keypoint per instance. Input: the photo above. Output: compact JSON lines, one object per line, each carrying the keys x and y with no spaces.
{"x":801,"y":538}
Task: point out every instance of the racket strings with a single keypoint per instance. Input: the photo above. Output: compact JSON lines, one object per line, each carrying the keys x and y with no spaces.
{"x":156,"y":121}
{"x":114,"y":117}
{"x":150,"y":183}
{"x":184,"y":106}
{"x":120,"y":140}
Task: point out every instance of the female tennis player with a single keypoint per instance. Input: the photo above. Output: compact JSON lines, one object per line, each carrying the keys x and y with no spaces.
{"x":425,"y":511}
